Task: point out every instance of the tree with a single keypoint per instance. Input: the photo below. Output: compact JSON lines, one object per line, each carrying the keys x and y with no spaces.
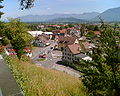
{"x":0,"y":8}
{"x":16,"y":32}
{"x":96,"y":28}
{"x":5,"y":41}
{"x":82,"y":30}
{"x":2,"y":29}
{"x":90,"y":34}
{"x":70,"y":25}
{"x":25,"y":4}
{"x":102,"y":75}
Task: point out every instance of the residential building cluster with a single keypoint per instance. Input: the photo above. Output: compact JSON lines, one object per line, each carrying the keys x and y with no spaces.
{"x":69,"y":39}
{"x":74,"y":41}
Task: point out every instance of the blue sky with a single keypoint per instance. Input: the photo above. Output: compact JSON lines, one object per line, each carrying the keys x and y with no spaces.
{"x":11,"y":7}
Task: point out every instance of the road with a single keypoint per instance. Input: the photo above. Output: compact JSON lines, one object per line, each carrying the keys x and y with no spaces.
{"x":41,"y":50}
{"x":52,"y":60}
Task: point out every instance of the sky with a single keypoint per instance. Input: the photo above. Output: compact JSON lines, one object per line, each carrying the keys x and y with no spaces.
{"x":43,"y":7}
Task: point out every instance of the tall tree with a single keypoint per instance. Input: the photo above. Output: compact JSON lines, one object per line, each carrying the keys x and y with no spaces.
{"x":102,"y":75}
{"x":82,"y":30}
{"x":0,"y":8}
{"x":16,"y":32}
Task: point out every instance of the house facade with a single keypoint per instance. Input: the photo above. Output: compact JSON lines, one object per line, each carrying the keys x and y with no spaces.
{"x":42,"y":40}
{"x":11,"y":52}
{"x":73,"y":53}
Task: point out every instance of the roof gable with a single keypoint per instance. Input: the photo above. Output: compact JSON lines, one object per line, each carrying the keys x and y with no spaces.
{"x":74,"y":48}
{"x":68,"y":40}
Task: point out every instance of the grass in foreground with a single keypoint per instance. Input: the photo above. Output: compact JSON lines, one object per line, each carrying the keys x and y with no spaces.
{"x":38,"y":81}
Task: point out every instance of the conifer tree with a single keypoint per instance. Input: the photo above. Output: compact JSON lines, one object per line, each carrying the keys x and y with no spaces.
{"x":102,"y":75}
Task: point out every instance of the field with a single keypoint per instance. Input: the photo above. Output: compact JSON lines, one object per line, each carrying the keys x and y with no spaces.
{"x":38,"y":81}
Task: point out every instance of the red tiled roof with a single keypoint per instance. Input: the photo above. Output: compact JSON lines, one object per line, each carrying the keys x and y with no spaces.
{"x":55,"y":25}
{"x":28,"y":50}
{"x":97,"y":32}
{"x":1,"y":46}
{"x":67,"y":39}
{"x":63,"y":31}
{"x":74,"y":48}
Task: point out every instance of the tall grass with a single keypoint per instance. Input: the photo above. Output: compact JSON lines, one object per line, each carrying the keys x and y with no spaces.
{"x":38,"y":81}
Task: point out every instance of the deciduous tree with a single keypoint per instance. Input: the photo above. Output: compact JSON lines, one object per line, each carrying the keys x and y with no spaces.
{"x":16,"y":32}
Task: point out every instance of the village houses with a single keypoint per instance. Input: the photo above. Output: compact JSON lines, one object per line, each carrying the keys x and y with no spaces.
{"x":68,"y":40}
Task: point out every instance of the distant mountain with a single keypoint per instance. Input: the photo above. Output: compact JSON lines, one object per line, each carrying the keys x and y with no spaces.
{"x":42,"y":18}
{"x":109,"y":15}
{"x":86,"y":16}
{"x":68,"y":20}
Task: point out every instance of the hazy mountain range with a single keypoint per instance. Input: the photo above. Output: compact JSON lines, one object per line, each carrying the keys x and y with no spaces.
{"x":69,"y":20}
{"x":42,"y":18}
{"x":112,"y":14}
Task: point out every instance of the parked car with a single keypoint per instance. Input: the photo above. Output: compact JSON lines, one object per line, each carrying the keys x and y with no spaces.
{"x":42,"y":56}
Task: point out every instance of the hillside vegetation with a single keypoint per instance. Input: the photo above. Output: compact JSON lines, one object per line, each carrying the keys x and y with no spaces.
{"x":38,"y":81}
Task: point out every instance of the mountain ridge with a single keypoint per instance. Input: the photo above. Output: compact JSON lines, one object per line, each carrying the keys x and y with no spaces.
{"x":42,"y":18}
{"x":68,"y":20}
{"x":109,"y":15}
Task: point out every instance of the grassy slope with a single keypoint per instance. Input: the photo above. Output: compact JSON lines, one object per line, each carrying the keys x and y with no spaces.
{"x":38,"y":81}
